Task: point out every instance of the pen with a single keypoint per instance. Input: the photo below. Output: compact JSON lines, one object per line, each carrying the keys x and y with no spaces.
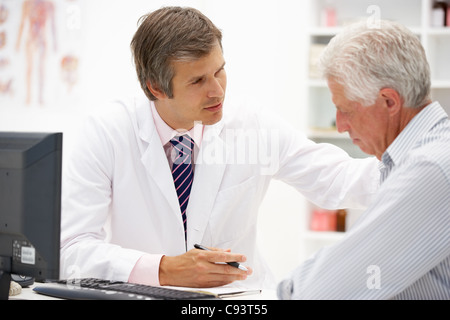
{"x":233,"y":264}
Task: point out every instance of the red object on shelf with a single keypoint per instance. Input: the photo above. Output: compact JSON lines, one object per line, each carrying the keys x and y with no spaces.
{"x":448,"y":16}
{"x":323,"y":220}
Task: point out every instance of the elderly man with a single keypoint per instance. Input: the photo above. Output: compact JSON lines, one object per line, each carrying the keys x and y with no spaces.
{"x":400,"y":247}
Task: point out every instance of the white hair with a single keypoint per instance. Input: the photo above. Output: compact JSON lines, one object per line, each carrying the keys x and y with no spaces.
{"x":365,"y":60}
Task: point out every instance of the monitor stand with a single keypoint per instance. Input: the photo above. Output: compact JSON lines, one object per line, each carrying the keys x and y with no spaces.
{"x":5,"y":277}
{"x":5,"y":283}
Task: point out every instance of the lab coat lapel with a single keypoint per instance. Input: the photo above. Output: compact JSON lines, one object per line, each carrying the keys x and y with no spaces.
{"x":209,"y":169}
{"x":155,"y":161}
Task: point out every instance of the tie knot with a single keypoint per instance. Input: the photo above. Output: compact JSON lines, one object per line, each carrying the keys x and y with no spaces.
{"x":183,"y":145}
{"x":182,"y":142}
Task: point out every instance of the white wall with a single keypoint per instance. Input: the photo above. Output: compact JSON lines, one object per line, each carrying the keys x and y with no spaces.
{"x":265,"y":47}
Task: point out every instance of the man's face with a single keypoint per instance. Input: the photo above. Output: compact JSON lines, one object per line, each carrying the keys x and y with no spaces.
{"x":198,"y":92}
{"x":367,"y":125}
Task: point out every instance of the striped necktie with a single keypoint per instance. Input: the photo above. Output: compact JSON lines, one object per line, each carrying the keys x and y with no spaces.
{"x":182,"y":172}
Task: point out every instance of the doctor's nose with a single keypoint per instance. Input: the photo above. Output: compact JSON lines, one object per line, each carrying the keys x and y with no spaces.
{"x":216,"y":88}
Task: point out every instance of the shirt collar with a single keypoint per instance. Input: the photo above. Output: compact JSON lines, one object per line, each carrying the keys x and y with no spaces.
{"x":166,"y":133}
{"x":416,"y":128}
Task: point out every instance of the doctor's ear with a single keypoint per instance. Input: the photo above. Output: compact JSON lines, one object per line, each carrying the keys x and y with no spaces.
{"x":156,"y":91}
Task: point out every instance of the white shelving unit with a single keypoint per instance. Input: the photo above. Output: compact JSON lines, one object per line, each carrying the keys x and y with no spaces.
{"x":416,"y":15}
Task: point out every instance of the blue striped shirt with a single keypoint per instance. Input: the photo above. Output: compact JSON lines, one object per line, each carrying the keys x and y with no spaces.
{"x":400,"y":246}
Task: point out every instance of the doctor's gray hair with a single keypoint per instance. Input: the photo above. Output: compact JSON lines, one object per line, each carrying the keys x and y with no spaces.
{"x":170,"y":34}
{"x":365,"y":60}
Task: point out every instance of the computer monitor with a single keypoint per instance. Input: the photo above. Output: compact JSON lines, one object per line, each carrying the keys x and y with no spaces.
{"x":30,"y":206}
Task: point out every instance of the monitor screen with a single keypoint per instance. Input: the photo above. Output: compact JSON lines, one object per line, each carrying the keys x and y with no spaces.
{"x":30,"y":205}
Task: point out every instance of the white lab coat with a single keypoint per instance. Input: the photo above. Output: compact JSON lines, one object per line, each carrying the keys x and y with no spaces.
{"x":120,"y":202}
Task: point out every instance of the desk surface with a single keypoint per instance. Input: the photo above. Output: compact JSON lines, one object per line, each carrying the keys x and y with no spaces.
{"x":29,"y":294}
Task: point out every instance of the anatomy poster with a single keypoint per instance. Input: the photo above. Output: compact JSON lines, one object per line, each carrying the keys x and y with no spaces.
{"x":40,"y":48}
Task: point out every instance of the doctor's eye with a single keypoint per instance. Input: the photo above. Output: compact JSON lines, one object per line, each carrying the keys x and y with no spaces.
{"x":197,"y":81}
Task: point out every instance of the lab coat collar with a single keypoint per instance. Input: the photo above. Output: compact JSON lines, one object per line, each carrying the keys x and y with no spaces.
{"x":146,"y":127}
{"x":166,"y":133}
{"x":209,"y":170}
{"x":153,"y":157}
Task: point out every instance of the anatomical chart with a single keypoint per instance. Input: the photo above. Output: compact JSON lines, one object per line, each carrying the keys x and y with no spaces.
{"x":40,"y":44}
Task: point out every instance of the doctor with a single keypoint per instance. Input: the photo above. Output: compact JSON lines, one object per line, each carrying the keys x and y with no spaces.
{"x":127,"y":217}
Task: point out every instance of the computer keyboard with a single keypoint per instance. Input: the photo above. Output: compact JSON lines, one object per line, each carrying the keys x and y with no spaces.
{"x":98,"y":289}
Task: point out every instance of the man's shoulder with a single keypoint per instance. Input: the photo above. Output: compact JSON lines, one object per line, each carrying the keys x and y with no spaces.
{"x":120,"y":111}
{"x":433,"y":149}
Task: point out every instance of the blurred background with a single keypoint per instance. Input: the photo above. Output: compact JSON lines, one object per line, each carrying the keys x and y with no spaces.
{"x":60,"y":59}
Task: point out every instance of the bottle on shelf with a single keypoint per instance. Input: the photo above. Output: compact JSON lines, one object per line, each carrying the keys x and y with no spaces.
{"x":328,"y":220}
{"x":328,"y":15}
{"x":439,"y":14}
{"x":323,"y":220}
{"x":448,"y":16}
{"x":341,"y":216}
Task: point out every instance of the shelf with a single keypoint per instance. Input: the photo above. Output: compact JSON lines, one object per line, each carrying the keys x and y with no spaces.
{"x":324,"y":31}
{"x":440,"y":84}
{"x":435,"y":84}
{"x":318,"y":83}
{"x":323,"y":235}
{"x":321,"y":113}
{"x":438,"y":31}
{"x":332,"y":31}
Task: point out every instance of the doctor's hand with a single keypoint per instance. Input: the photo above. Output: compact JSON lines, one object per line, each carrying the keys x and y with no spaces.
{"x":199,"y":269}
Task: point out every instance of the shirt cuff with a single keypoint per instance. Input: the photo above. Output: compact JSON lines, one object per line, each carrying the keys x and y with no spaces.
{"x":146,"y":270}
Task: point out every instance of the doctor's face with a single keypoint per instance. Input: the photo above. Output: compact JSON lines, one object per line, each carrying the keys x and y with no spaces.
{"x":198,"y":92}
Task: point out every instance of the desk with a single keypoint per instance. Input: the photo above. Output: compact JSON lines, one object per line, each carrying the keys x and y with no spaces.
{"x":29,"y":294}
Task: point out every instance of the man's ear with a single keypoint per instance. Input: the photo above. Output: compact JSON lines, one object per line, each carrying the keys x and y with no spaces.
{"x":156,"y":91}
{"x":392,"y":100}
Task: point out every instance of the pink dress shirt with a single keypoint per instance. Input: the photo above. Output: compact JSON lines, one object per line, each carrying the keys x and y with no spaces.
{"x":146,"y":269}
